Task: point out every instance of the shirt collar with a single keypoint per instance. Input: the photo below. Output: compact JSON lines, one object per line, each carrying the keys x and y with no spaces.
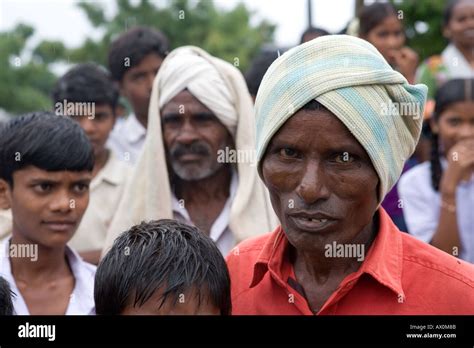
{"x":135,"y":130}
{"x":383,"y":261}
{"x":110,"y":173}
{"x":82,"y":297}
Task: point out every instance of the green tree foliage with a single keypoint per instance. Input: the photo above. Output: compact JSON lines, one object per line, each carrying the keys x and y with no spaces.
{"x":25,"y":83}
{"x":423,"y":20}
{"x":226,"y":34}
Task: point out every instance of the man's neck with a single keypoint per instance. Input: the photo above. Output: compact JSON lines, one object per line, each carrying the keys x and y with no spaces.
{"x":49,"y":263}
{"x":214,"y":187}
{"x":143,"y":119}
{"x":100,"y":161}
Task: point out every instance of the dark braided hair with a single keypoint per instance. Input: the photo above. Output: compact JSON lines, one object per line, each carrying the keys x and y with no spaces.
{"x":453,"y":91}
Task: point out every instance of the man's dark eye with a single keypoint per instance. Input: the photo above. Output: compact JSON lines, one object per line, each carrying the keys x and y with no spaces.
{"x":288,"y":152}
{"x":81,"y":188}
{"x":43,"y":187}
{"x":138,"y":77}
{"x":172,"y":119}
{"x":344,"y":157}
{"x":203,"y":117}
{"x":454,"y":122}
{"x":100,"y":117}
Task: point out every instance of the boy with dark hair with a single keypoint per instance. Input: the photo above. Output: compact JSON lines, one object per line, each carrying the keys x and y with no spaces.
{"x":163,"y":267}
{"x":88,"y":95}
{"x":312,"y":33}
{"x":6,"y":304}
{"x":134,"y":60}
{"x":45,"y":172}
{"x":258,"y":68}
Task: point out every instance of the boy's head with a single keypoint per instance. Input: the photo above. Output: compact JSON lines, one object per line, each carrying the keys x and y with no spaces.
{"x":162,"y":267}
{"x":134,"y":60}
{"x":45,"y":170}
{"x":90,"y":97}
{"x":6,"y":304}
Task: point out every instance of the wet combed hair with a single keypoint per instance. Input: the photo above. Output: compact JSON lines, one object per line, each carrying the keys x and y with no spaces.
{"x":135,"y":44}
{"x":313,"y":30}
{"x":258,"y":68}
{"x":166,"y":256}
{"x":88,"y":83}
{"x":374,"y":14}
{"x":453,"y":91}
{"x":46,"y":141}
{"x":6,"y":303}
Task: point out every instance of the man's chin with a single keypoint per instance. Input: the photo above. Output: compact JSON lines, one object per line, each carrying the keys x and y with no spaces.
{"x":192,"y":172}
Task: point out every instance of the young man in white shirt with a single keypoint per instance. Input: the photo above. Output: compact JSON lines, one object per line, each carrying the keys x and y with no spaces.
{"x":90,"y":85}
{"x":134,"y":60}
{"x":47,"y":164}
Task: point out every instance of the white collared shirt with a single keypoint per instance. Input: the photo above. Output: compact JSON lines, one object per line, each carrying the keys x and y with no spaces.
{"x":422,"y":205}
{"x":127,"y":139}
{"x":220,"y":232}
{"x":106,"y":190}
{"x":82,"y":297}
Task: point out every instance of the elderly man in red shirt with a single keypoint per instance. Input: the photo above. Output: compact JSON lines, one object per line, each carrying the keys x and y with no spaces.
{"x":335,"y":124}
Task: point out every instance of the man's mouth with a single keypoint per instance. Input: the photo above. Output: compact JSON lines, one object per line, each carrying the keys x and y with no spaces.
{"x":60,"y":225}
{"x":312,"y":222}
{"x":189,"y":157}
{"x":469,"y":33}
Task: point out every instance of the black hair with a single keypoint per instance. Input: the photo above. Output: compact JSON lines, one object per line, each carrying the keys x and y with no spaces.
{"x":135,"y":44}
{"x":374,"y":14}
{"x":87,"y":82}
{"x":448,"y":11}
{"x":6,"y":303}
{"x":313,"y":30}
{"x":163,"y":255}
{"x":47,"y":141}
{"x":258,"y":68}
{"x":453,"y":91}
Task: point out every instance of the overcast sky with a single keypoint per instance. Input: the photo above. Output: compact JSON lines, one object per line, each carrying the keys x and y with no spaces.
{"x":62,"y":20}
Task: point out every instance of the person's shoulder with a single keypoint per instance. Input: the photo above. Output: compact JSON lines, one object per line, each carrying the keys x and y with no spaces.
{"x":253,"y":244}
{"x":247,"y":251}
{"x":418,"y":175}
{"x":425,"y":259}
{"x":89,"y":268}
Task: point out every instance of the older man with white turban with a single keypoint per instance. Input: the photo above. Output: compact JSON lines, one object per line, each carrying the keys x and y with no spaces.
{"x":200,"y":110}
{"x":335,"y":124}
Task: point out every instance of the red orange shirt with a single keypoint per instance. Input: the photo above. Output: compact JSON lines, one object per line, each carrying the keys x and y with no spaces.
{"x":400,"y":275}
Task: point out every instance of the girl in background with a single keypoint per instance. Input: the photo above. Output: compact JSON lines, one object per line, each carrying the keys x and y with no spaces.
{"x":438,"y":196}
{"x":380,"y":24}
{"x":457,"y":59}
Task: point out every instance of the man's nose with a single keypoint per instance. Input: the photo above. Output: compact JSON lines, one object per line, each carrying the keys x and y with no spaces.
{"x":187,"y":133}
{"x":61,"y":202}
{"x":312,"y":186}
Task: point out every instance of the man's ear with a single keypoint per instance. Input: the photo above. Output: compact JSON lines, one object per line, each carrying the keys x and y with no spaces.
{"x":121,"y":87}
{"x":446,"y":32}
{"x":5,"y":195}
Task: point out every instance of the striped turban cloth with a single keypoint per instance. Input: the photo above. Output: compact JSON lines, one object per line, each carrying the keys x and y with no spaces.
{"x":349,"y":77}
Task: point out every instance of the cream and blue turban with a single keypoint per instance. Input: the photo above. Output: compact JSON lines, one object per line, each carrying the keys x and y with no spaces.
{"x":351,"y":79}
